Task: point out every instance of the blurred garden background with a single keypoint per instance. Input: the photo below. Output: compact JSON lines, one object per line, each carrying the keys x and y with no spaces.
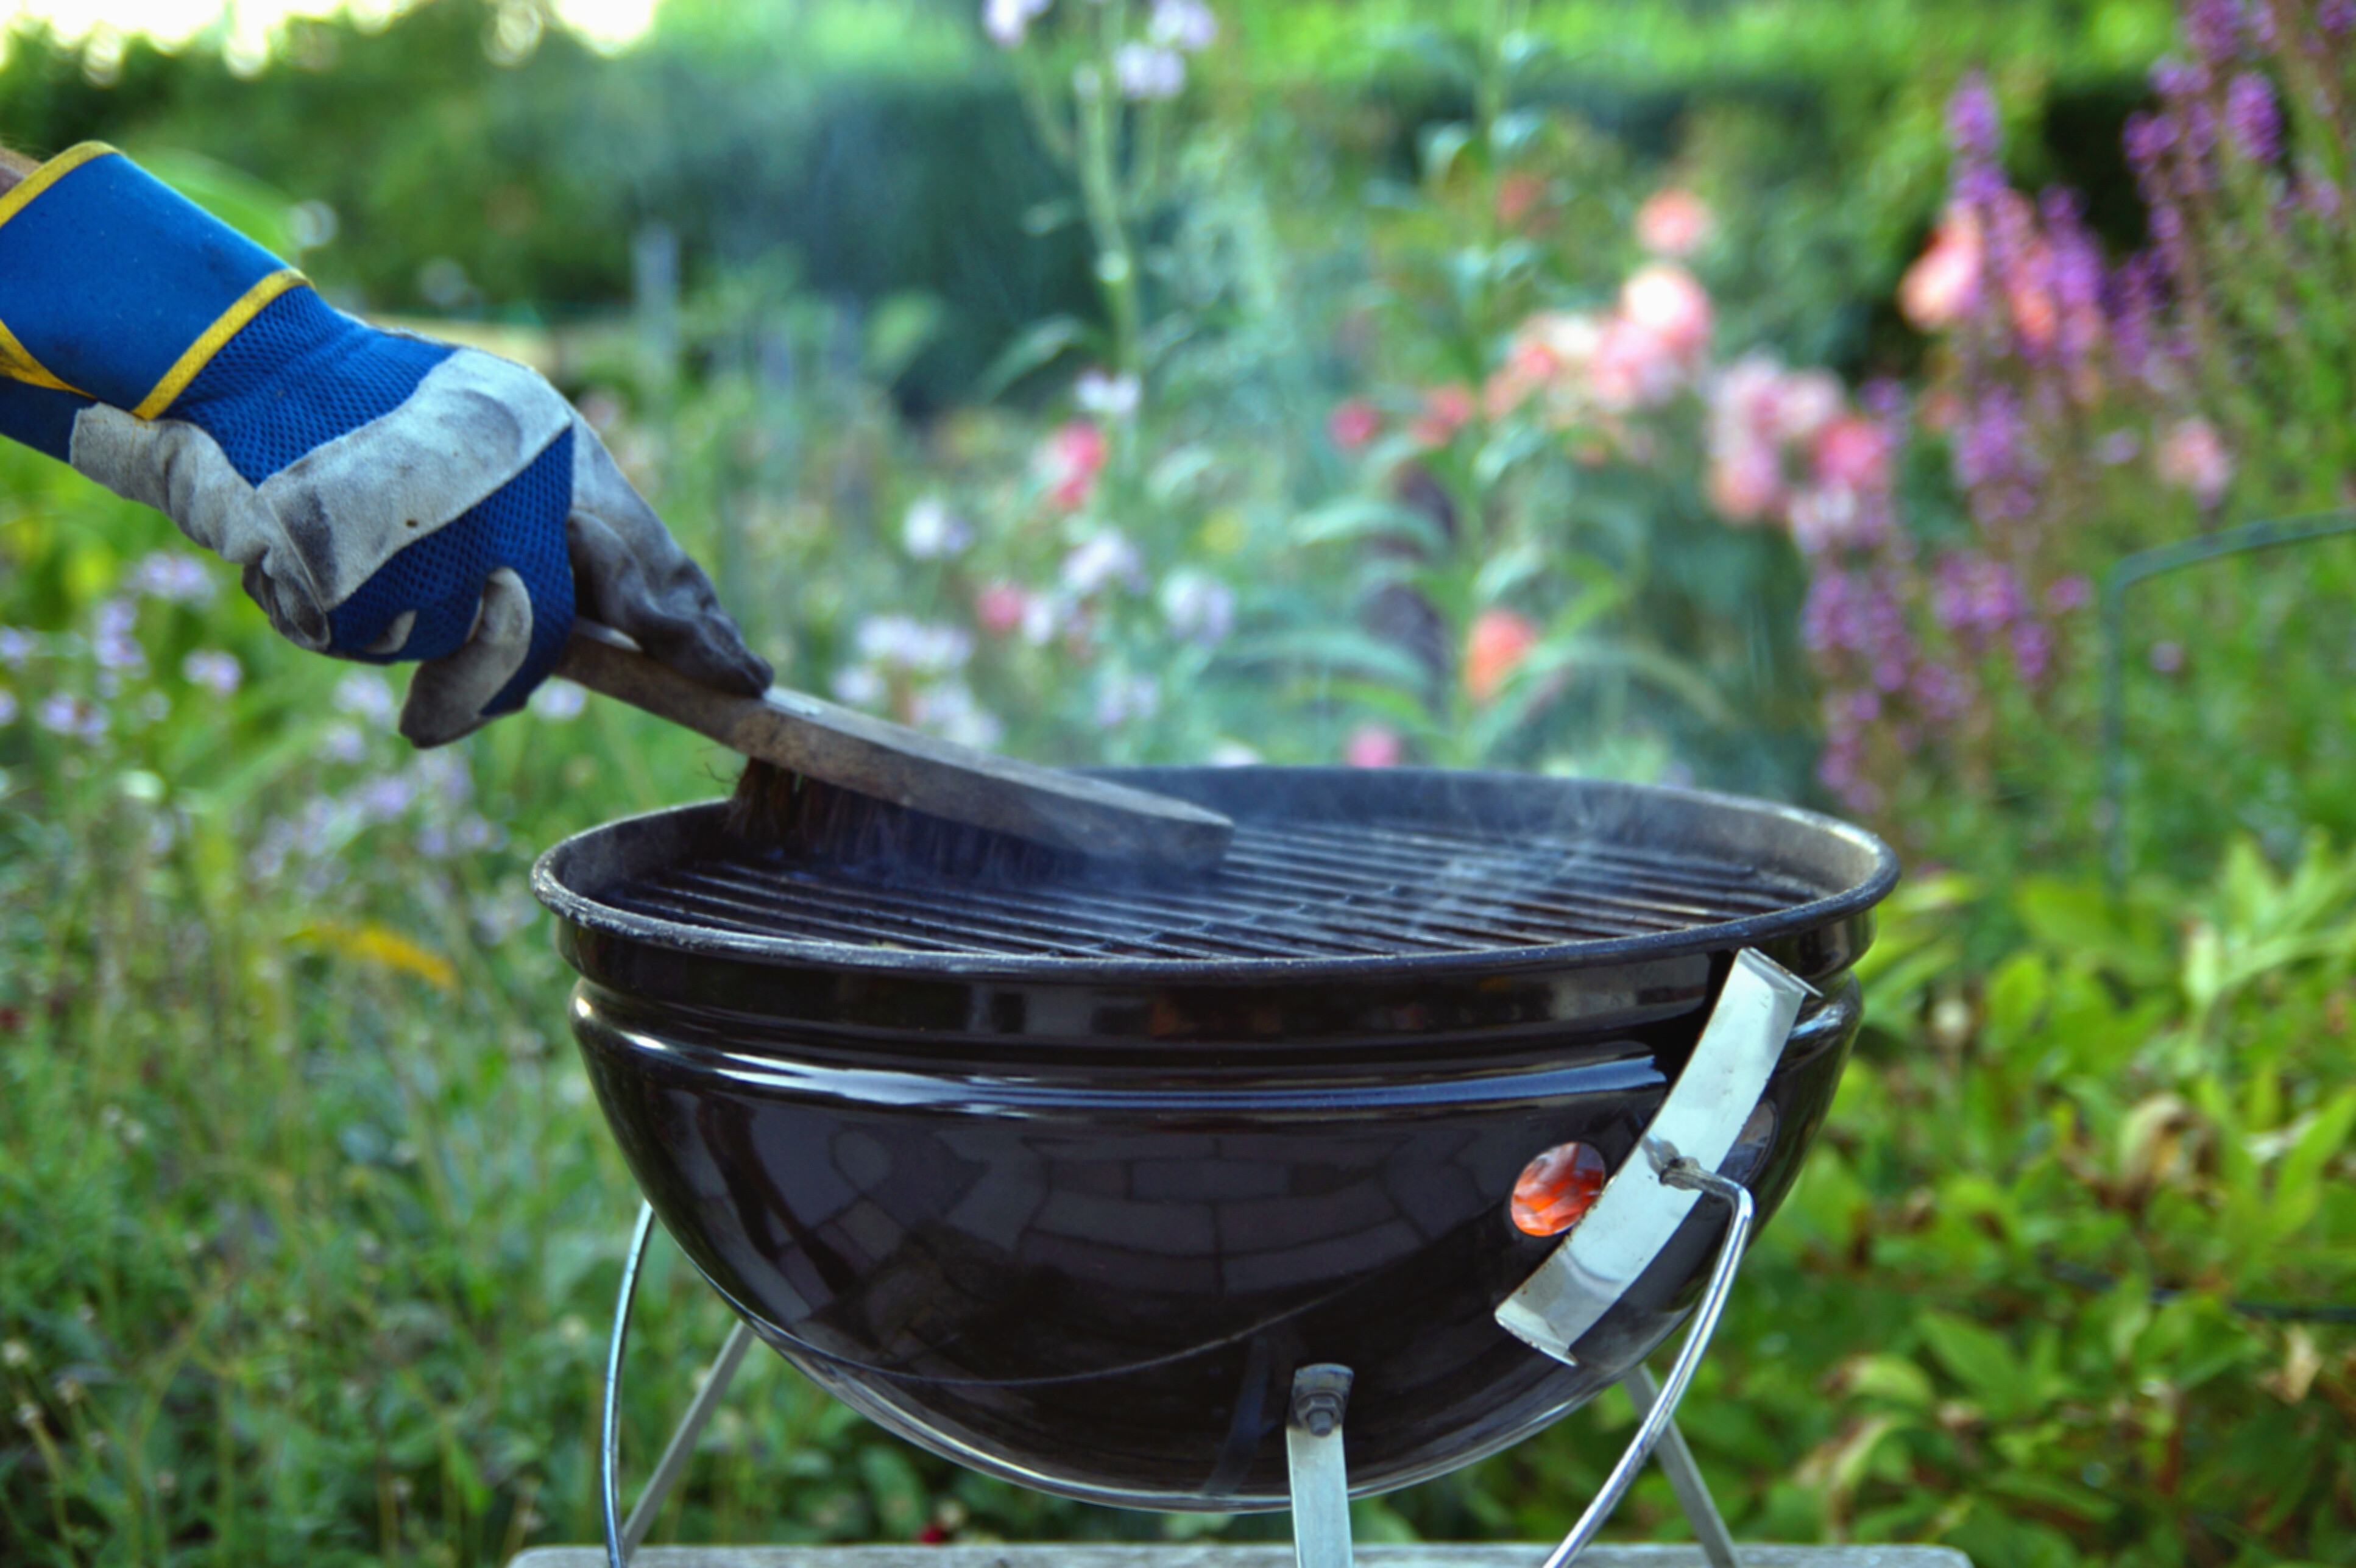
{"x":1771,"y":395}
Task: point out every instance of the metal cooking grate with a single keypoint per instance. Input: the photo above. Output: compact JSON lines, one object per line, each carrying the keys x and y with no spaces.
{"x":1293,"y":890}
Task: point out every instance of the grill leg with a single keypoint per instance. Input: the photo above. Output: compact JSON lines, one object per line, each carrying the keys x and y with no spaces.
{"x":1678,"y":1462}
{"x":622,"y":1539}
{"x":1321,"y":1477}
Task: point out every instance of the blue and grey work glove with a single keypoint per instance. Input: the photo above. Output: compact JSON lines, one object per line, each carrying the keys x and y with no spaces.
{"x":388,"y":497}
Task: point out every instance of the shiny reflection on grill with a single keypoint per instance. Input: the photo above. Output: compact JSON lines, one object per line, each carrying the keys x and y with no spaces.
{"x":1289,"y":891}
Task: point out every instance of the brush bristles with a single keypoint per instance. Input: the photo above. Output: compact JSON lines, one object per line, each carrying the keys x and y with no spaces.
{"x":808,"y":819}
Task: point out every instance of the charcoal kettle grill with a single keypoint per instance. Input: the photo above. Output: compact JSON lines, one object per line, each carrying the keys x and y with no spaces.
{"x":1142,"y":1190}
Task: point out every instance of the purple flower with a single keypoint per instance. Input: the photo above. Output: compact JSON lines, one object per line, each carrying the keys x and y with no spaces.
{"x":2215,"y":29}
{"x":2176,"y":81}
{"x":172,"y":576}
{"x":15,"y":646}
{"x":113,"y":641}
{"x":2147,"y":138}
{"x":1938,"y":693}
{"x":382,"y":799}
{"x":72,"y":716}
{"x":2254,"y":118}
{"x":1975,"y":596}
{"x":1973,"y":127}
{"x":342,"y":744}
{"x":2134,"y":302}
{"x":2067,"y":593}
{"x":2032,"y":651}
{"x":2337,"y":17}
{"x":217,"y":673}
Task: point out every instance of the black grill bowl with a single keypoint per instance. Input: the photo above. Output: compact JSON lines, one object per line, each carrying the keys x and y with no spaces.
{"x":1063,"y":1182}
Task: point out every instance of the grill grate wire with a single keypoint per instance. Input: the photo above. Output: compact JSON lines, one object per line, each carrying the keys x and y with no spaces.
{"x":1293,"y":889}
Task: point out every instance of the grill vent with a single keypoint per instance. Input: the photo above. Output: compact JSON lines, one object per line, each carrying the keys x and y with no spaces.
{"x":1331,"y":890}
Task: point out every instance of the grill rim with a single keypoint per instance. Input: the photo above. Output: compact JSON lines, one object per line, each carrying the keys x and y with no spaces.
{"x":551,"y":885}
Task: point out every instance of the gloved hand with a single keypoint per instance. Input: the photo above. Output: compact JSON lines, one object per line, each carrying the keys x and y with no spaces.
{"x":390,"y":497}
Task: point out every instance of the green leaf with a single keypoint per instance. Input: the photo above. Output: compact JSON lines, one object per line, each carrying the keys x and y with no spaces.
{"x":1365,"y":518}
{"x":1977,"y":1357}
{"x":1039,"y":346}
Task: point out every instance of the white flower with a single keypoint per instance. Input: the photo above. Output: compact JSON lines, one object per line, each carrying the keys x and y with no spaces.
{"x":1199,"y":607}
{"x":932,"y":532}
{"x":902,"y":642}
{"x":1045,"y":617}
{"x":950,"y":711}
{"x":860,"y":685}
{"x":1009,"y":21}
{"x":365,"y":695}
{"x":1126,"y":698}
{"x":558,"y":700}
{"x":15,"y":646}
{"x":217,"y":673}
{"x":1147,"y":72}
{"x":1107,"y":397}
{"x":1185,"y":25}
{"x":1104,"y":559}
{"x":1233,"y":754}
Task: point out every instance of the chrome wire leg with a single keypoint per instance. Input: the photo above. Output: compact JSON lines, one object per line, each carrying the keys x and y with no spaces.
{"x":1685,"y":1476}
{"x":1681,"y":1173}
{"x":622,"y":1539}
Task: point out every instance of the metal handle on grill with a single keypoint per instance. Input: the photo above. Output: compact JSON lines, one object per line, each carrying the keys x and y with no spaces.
{"x":1647,"y":1202}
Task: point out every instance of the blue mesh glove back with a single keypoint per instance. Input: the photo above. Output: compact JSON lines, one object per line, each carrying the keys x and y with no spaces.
{"x":388,"y":497}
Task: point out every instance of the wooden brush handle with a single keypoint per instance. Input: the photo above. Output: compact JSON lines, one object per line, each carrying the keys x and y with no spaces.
{"x":873,"y":756}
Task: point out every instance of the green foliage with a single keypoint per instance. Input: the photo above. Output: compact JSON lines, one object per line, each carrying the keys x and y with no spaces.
{"x":308,"y":1227}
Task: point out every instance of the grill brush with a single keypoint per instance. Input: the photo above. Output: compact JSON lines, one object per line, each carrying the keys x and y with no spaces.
{"x":829,"y":781}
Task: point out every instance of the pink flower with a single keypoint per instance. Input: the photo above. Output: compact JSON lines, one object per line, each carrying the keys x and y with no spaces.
{"x":2192,"y":456}
{"x":1634,"y":365}
{"x":1666,"y":300}
{"x":1801,"y":404}
{"x":1000,"y":607}
{"x":1746,"y":482}
{"x":1446,"y":410}
{"x":1673,"y":222}
{"x":1940,"y":289}
{"x":1853,"y":453}
{"x":1353,"y":423}
{"x":1070,"y":462}
{"x":1374,"y":746}
{"x":1500,"y":640}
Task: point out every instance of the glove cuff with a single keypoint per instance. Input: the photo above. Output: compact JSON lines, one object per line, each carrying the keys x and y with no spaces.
{"x":118,"y":289}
